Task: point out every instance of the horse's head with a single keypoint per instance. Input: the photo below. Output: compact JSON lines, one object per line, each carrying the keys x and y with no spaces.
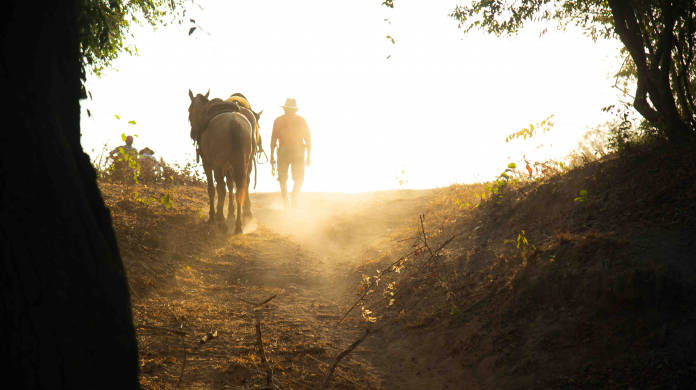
{"x":197,"y":112}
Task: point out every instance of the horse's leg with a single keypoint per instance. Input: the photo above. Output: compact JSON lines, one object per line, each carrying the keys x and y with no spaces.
{"x":220,"y":182}
{"x":247,"y":202}
{"x":241,"y":181}
{"x":211,"y":191}
{"x":230,"y":189}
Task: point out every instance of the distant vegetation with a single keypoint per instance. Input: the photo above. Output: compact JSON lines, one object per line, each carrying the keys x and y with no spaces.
{"x":127,"y":170}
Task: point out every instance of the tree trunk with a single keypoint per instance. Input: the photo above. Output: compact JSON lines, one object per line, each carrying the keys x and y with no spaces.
{"x":653,"y":77}
{"x":65,"y":315}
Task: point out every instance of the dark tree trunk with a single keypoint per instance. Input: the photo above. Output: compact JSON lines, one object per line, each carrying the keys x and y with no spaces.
{"x":65,"y":316}
{"x":653,"y":76}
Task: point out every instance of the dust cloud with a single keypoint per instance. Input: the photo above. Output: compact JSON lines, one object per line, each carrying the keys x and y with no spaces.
{"x":341,"y":227}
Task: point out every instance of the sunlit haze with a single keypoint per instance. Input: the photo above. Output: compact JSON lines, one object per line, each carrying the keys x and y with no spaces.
{"x":436,"y":104}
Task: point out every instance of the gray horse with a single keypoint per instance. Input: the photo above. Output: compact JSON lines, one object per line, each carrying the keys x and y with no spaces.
{"x":223,"y":135}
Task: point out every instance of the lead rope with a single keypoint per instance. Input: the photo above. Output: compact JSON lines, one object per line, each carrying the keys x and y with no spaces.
{"x":255,"y":173}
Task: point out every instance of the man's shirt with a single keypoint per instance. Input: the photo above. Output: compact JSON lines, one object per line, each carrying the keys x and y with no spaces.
{"x":290,"y":131}
{"x":126,"y":149}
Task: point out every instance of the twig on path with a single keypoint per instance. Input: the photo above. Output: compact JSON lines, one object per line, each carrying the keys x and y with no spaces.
{"x":207,"y":337}
{"x":338,"y":371}
{"x":259,"y":341}
{"x":259,"y":345}
{"x":258,"y":304}
{"x":340,"y":356}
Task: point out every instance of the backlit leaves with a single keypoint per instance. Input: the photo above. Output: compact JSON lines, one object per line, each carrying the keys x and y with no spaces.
{"x":528,"y":132}
{"x":104,"y":27}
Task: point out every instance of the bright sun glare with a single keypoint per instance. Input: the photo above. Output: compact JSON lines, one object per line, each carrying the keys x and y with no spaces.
{"x":436,"y":104}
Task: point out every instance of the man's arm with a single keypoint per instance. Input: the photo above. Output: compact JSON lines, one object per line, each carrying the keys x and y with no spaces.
{"x":274,"y":139}
{"x":114,"y":154}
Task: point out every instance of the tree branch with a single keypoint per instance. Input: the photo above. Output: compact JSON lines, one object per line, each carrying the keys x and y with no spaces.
{"x":340,"y":356}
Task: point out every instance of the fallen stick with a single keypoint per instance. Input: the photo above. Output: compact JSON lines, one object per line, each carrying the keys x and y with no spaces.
{"x":208,"y":336}
{"x":340,"y":356}
{"x":338,"y":370}
{"x":257,"y":304}
{"x":259,"y":344}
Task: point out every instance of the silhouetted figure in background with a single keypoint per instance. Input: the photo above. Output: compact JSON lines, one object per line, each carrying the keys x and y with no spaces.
{"x":291,"y":133}
{"x":127,"y":149}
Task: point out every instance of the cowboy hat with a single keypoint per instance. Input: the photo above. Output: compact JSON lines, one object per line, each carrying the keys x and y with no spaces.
{"x":290,"y":104}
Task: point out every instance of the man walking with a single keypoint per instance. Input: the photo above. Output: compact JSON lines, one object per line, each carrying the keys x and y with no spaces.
{"x":291,"y":133}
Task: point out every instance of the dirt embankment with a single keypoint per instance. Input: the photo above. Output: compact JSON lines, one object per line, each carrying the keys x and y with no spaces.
{"x":547,"y":288}
{"x":542,"y":287}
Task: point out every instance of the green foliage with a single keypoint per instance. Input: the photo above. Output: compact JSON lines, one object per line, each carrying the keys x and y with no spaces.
{"x":521,"y":244}
{"x":166,"y":200}
{"x":104,"y":27}
{"x":507,"y":18}
{"x":528,"y":132}
{"x":504,"y":179}
{"x":582,"y":197}
{"x":622,"y":132}
{"x":621,"y":137}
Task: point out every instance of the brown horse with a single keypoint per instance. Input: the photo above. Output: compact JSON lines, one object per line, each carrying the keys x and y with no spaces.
{"x":256,"y":147}
{"x":223,"y":135}
{"x":240,"y":104}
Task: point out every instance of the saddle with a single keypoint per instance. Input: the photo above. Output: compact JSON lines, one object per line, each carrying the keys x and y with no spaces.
{"x":218,"y":107}
{"x":215,"y":107}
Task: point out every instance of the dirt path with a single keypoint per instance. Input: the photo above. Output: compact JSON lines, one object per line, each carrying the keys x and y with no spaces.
{"x":306,"y":258}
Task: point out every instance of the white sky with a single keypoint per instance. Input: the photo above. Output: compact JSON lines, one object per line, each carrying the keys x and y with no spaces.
{"x":439,"y":108}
